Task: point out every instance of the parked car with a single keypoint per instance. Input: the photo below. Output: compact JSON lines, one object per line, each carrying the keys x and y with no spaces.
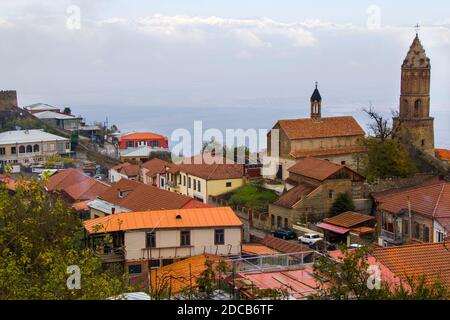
{"x":355,"y":246}
{"x":310,"y":238}
{"x":285,"y":234}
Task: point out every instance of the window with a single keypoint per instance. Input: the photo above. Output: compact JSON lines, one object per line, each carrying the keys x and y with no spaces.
{"x":21,"y":149}
{"x":29,"y":149}
{"x":422,"y":142}
{"x":67,"y":145}
{"x":285,"y":222}
{"x":417,"y":106}
{"x":426,"y":233}
{"x":36,"y":148}
{"x":134,"y":269}
{"x":219,"y":236}
{"x":440,"y":236}
{"x":13,"y":150}
{"x":179,"y":179}
{"x":155,"y":143}
{"x":416,"y":230}
{"x":166,"y":262}
{"x":228,"y":184}
{"x":195,"y":184}
{"x":130,"y":144}
{"x":406,"y":227}
{"x":189,"y":183}
{"x":184,"y":181}
{"x":199,"y":188}
{"x":279,"y":219}
{"x":343,"y":163}
{"x":154,"y":264}
{"x":2,"y":151}
{"x":150,"y":240}
{"x":272,"y":220}
{"x":330,"y":194}
{"x":185,"y":238}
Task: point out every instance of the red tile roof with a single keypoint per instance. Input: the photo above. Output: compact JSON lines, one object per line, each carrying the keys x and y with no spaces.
{"x":294,"y":195}
{"x":76,"y":184}
{"x":432,"y":201}
{"x":165,"y":219}
{"x":257,"y":248}
{"x":213,"y":171}
{"x":417,"y":260}
{"x":155,"y":166}
{"x":143,"y":197}
{"x":349,"y":219}
{"x":325,"y":127}
{"x":327,"y":152}
{"x":315,"y":168}
{"x":333,"y":228}
{"x":128,"y":169}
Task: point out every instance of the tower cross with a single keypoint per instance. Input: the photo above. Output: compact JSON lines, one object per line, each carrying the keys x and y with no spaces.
{"x":417,"y":28}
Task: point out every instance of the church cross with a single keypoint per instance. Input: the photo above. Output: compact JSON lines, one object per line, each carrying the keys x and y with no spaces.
{"x":417,"y":28}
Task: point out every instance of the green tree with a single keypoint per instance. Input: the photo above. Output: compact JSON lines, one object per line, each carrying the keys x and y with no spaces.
{"x":349,"y":275}
{"x":74,"y":139}
{"x":39,"y":238}
{"x":343,"y":203}
{"x":67,"y":110}
{"x":387,"y":159}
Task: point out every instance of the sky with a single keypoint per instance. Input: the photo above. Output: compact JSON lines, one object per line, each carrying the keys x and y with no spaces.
{"x":100,"y":55}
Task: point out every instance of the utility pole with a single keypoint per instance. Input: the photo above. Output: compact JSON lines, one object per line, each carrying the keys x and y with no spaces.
{"x":410,"y":220}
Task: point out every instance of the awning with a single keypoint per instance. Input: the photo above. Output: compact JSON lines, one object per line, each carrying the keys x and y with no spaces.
{"x":333,"y":228}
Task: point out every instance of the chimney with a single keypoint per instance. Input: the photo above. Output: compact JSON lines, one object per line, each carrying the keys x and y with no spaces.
{"x":113,"y":210}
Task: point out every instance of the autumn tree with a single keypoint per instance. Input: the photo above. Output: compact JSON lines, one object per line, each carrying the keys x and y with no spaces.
{"x":343,"y":203}
{"x":40,"y":237}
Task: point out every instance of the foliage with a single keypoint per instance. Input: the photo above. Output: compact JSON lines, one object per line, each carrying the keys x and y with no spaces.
{"x":67,"y":110}
{"x":161,"y":155}
{"x":60,"y":161}
{"x":252,"y":196}
{"x":343,"y":203}
{"x":386,"y":159}
{"x":74,"y":139}
{"x":25,"y":123}
{"x":39,"y":238}
{"x":348,"y":278}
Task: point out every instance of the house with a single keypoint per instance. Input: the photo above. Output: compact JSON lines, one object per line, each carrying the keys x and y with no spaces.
{"x":150,"y":239}
{"x":28,"y":147}
{"x":128,"y":195}
{"x":428,"y":260}
{"x":313,"y":186}
{"x":153,"y":172}
{"x":75,"y":185}
{"x":124,"y":171}
{"x":337,"y":139}
{"x":93,"y":132}
{"x":141,"y":139}
{"x":139,"y":154}
{"x":348,"y":227}
{"x":40,"y":107}
{"x":419,"y":213}
{"x":59,"y":120}
{"x":443,"y":155}
{"x":200,"y":181}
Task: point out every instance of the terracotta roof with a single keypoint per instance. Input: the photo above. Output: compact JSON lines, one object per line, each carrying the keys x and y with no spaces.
{"x":327,"y":152}
{"x":182,"y":274}
{"x":349,"y":219}
{"x":315,"y":168}
{"x":141,"y":197}
{"x":76,"y":184}
{"x":294,"y":195}
{"x":257,"y":248}
{"x":432,"y":201}
{"x":283,"y":246}
{"x":213,"y":171}
{"x":155,"y":166}
{"x":325,"y":127}
{"x":442,"y":154}
{"x":128,"y":169}
{"x":81,"y":206}
{"x":416,"y":260}
{"x":142,"y":135}
{"x":165,"y":219}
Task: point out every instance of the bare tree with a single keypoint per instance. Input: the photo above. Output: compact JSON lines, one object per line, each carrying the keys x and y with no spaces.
{"x":380,"y":126}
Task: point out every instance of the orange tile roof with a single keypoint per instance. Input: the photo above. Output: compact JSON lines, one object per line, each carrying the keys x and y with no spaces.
{"x":76,"y":184}
{"x":165,"y":219}
{"x":416,"y":260}
{"x":183,"y":274}
{"x":257,"y":248}
{"x":155,"y":166}
{"x":432,"y":201}
{"x":213,"y":171}
{"x":326,"y":127}
{"x":315,"y":168}
{"x":442,"y":154}
{"x":349,"y":219}
{"x":128,"y":169}
{"x":327,"y":152}
{"x":81,"y":206}
{"x":142,"y":197}
{"x":294,"y":195}
{"x":142,"y":135}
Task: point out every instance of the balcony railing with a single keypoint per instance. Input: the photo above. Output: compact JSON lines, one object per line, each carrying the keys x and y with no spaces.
{"x":109,"y":255}
{"x":391,"y":236}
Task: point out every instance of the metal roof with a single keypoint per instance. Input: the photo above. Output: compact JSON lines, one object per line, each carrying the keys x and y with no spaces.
{"x":28,"y":136}
{"x":105,"y":206}
{"x":54,"y":115}
{"x":40,"y":106}
{"x":143,"y":151}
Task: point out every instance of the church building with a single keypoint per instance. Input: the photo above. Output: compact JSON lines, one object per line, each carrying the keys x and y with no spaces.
{"x":413,"y":125}
{"x":336,"y":139}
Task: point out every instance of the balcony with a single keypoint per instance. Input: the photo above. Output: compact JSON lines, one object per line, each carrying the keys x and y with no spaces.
{"x":391,"y":237}
{"x":110,"y":255}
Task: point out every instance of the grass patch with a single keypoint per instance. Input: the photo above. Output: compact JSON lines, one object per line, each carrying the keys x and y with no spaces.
{"x":252,"y":196}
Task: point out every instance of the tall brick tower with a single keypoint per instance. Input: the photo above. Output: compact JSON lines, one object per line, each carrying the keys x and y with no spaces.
{"x":414,"y":124}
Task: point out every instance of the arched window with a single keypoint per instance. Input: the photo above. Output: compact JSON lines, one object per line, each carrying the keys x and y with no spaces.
{"x":405,"y":107}
{"x":36,"y":148}
{"x":21,"y":149}
{"x":417,"y":106}
{"x":29,"y":149}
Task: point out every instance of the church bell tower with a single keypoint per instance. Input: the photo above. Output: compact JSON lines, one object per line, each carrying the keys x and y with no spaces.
{"x":316,"y":105}
{"x":414,"y":124}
